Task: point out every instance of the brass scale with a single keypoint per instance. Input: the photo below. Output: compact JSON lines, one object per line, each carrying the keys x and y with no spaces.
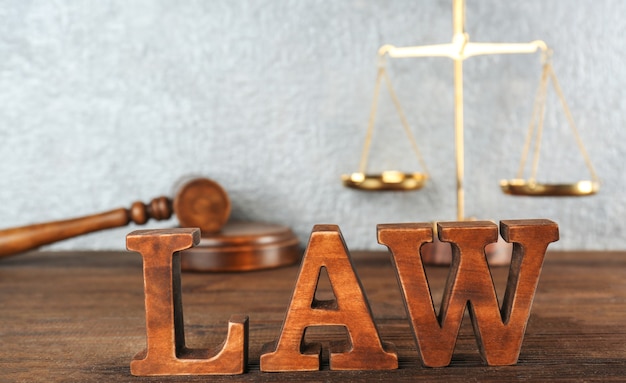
{"x":458,"y":50}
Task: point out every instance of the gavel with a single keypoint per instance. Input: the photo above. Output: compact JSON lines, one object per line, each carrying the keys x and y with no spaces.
{"x":199,"y":202}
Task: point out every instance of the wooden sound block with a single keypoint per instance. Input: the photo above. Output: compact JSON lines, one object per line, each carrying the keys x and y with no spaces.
{"x":243,"y":246}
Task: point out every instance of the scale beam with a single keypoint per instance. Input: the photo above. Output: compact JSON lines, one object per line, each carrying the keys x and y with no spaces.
{"x":462,"y":49}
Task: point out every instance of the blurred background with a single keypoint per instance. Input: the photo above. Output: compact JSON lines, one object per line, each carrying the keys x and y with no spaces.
{"x":109,"y":102}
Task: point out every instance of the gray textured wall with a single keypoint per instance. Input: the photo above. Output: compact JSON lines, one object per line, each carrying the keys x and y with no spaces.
{"x":106,"y":102}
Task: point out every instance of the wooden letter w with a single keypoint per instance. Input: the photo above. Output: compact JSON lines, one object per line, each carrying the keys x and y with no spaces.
{"x":499,"y":331}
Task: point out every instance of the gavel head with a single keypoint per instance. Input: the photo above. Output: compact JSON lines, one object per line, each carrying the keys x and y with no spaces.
{"x":202,"y":203}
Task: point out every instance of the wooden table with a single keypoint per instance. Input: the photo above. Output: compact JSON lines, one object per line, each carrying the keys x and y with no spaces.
{"x":79,"y":317}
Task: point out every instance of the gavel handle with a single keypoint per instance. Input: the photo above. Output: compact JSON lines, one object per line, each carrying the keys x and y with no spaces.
{"x":19,"y":239}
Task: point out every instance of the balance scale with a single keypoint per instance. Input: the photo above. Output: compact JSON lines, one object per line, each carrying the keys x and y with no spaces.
{"x":458,"y":50}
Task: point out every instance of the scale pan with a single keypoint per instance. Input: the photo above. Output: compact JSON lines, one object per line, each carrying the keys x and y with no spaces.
{"x":387,"y":180}
{"x":535,"y":189}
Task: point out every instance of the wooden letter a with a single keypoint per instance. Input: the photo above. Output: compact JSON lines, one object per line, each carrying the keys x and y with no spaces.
{"x":327,"y":249}
{"x":166,"y":353}
{"x":499,"y":331}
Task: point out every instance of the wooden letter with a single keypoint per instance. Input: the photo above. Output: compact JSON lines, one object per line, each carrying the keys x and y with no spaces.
{"x":350,"y":309}
{"x":499,"y":332}
{"x":166,"y":353}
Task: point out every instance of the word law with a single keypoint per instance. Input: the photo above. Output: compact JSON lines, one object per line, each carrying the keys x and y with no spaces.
{"x":499,"y":330}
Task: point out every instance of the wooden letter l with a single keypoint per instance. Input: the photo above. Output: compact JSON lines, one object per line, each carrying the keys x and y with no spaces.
{"x":166,"y":353}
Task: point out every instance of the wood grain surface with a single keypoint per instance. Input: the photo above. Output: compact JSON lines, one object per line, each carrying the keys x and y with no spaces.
{"x":79,"y":317}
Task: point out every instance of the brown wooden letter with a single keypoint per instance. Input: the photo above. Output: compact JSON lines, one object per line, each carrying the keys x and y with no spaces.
{"x":499,"y":332}
{"x":166,"y":353}
{"x":350,"y":309}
